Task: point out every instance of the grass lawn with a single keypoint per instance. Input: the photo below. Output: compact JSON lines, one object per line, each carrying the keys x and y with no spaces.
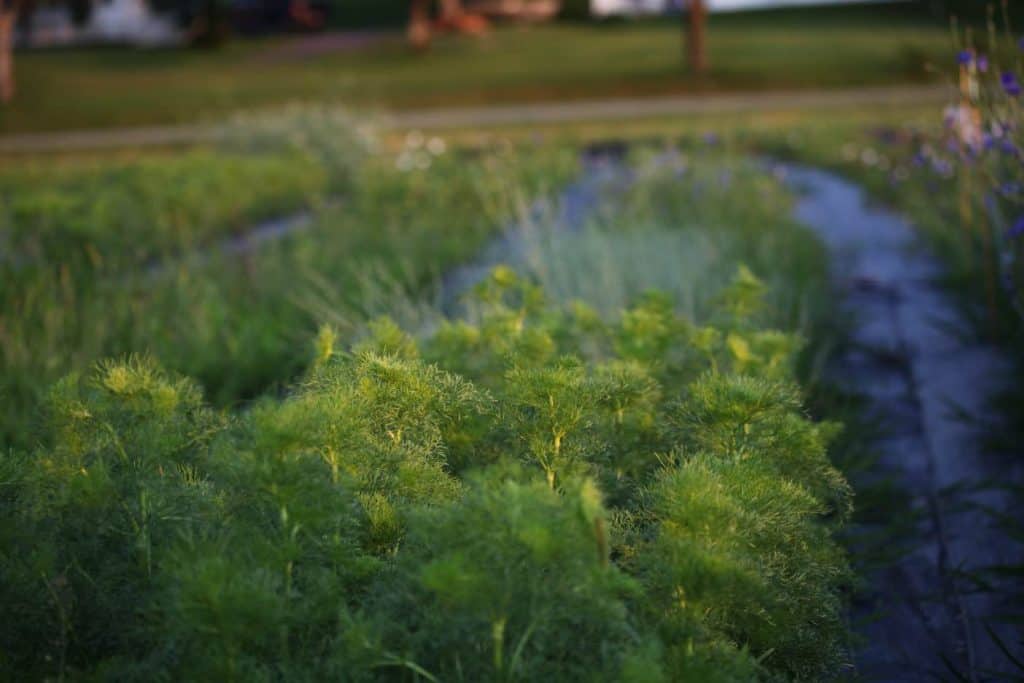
{"x":827,"y":48}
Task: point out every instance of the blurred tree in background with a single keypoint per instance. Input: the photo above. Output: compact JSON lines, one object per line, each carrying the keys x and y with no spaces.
{"x":8,"y":17}
{"x":14,"y":13}
{"x":696,"y":42}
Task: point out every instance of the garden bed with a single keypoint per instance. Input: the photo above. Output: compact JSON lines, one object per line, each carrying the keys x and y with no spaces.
{"x":578,"y":476}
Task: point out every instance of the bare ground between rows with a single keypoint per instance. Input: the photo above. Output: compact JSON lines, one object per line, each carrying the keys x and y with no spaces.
{"x":936,"y":611}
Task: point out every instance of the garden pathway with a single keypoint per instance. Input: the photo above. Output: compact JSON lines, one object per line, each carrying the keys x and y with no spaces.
{"x":913,"y":359}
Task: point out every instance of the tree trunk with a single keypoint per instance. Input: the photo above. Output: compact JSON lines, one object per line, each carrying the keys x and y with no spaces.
{"x":451,"y":9}
{"x":8,"y":18}
{"x":419,"y":24}
{"x":696,"y":47}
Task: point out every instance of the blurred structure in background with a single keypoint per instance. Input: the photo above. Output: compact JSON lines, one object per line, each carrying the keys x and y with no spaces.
{"x":160,"y":23}
{"x":611,"y":8}
{"x":473,"y":16}
{"x":129,"y":22}
{"x":153,"y":23}
{"x":44,"y":23}
{"x":38,"y":24}
{"x":522,"y":10}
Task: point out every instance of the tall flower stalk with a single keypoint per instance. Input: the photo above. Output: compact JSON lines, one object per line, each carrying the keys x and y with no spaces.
{"x":985,"y":128}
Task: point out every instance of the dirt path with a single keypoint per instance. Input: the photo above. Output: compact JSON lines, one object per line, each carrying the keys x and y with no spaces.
{"x":306,"y":47}
{"x":525,"y":114}
{"x":930,"y":385}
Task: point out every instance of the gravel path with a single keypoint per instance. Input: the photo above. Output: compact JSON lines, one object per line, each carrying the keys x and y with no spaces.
{"x":913,"y":359}
{"x":525,"y":114}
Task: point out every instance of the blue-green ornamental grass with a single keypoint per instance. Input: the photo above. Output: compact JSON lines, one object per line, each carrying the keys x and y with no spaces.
{"x":538,"y":494}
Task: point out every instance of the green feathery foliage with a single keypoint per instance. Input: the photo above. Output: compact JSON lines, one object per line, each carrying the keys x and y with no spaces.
{"x":533,"y":493}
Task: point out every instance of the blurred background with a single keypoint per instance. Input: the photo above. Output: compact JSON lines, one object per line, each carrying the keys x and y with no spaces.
{"x":102,"y":63}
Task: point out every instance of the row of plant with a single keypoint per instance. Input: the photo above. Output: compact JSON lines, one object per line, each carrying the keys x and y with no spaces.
{"x":131,"y":258}
{"x":536,"y":493}
{"x":99,"y":215}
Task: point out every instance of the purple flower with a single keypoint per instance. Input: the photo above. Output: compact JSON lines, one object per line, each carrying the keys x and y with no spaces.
{"x":942,"y":167}
{"x":1009,"y":148}
{"x":1010,"y":84}
{"x":1020,"y":44}
{"x":964,"y":57}
{"x":987,"y":141}
{"x":1016,"y":230}
{"x":982,"y":63}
